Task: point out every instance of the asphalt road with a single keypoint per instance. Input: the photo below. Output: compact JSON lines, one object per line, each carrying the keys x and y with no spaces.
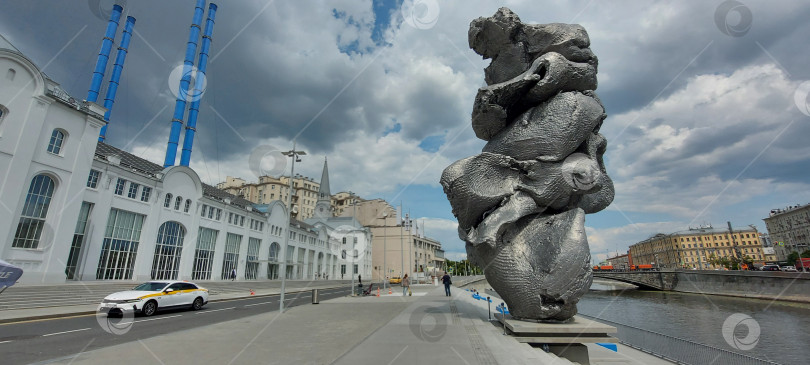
{"x":45,"y":340}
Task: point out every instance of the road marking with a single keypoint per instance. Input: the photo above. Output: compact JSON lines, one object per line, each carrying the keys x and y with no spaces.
{"x":155,"y":319}
{"x":215,"y":310}
{"x":6,"y":341}
{"x":46,"y":319}
{"x":250,"y":305}
{"x":63,"y":332}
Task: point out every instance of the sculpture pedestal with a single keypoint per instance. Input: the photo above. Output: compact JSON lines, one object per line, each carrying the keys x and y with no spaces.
{"x":563,"y":339}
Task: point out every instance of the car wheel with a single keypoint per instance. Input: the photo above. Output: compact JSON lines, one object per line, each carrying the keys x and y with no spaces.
{"x":149,"y":308}
{"x":197,"y":305}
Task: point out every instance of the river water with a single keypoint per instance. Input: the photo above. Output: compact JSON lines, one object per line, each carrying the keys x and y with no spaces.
{"x":784,"y":327}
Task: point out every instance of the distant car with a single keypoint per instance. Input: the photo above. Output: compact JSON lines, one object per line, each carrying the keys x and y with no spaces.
{"x":152,"y":296}
{"x":771,"y":268}
{"x":395,"y":280}
{"x":789,"y":268}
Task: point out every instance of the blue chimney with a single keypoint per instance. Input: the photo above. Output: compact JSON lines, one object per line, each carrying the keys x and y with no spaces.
{"x":182,"y":94}
{"x":120,"y":57}
{"x":104,"y":54}
{"x":194,"y":109}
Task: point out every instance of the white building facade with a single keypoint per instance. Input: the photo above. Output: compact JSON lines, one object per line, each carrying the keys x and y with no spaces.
{"x":73,"y":208}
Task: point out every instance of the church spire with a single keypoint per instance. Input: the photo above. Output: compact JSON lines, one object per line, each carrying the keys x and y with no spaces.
{"x":323,"y":208}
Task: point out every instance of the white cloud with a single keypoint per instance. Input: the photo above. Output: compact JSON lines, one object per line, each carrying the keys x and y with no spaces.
{"x":702,"y":148}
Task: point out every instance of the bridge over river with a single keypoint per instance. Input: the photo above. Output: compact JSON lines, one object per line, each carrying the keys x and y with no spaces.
{"x":749,"y":284}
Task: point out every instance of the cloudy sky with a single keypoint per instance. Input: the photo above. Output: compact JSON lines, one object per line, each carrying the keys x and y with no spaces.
{"x":707,"y":100}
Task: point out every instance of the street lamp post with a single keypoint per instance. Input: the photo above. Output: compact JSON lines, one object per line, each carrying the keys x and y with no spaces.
{"x":294,"y":155}
{"x":385,"y":249}
{"x":406,"y":222}
{"x":353,"y":255}
{"x":401,"y":248}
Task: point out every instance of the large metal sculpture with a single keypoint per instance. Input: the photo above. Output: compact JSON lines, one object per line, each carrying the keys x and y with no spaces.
{"x":521,"y":204}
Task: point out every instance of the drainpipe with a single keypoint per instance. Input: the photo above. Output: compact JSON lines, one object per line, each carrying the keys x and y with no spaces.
{"x":120,"y":57}
{"x":202,"y":64}
{"x":182,"y":94}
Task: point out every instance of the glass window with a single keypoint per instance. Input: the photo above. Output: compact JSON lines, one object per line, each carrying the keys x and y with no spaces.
{"x":204,"y":254}
{"x":92,"y":180}
{"x":219,"y":213}
{"x":78,"y":241}
{"x":272,"y":266}
{"x":167,"y":201}
{"x":242,"y":221}
{"x":211,"y":212}
{"x":150,"y":286}
{"x":145,"y":193}
{"x":119,"y":186}
{"x":177,"y":202}
{"x":133,"y":190}
{"x":166,"y":261}
{"x":289,"y":260}
{"x":252,"y":263}
{"x":120,"y":246}
{"x":187,"y":206}
{"x":202,"y":211}
{"x":32,"y":218}
{"x":55,"y":145}
{"x":231,"y":257}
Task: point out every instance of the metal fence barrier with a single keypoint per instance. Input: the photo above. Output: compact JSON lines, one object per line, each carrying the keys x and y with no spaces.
{"x":677,"y":349}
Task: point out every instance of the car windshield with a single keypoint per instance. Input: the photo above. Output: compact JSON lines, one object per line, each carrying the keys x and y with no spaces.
{"x":150,"y":286}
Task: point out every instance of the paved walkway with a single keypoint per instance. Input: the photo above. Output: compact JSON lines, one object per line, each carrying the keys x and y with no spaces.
{"x":426,"y":328}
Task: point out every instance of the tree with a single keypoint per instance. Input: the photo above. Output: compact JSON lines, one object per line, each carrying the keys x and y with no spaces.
{"x":793,"y":257}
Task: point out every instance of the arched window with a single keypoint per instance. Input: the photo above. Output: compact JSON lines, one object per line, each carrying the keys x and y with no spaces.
{"x":166,"y":262}
{"x":272,"y":265}
{"x":3,"y":113}
{"x":57,"y":138}
{"x":177,"y":202}
{"x":188,"y":206}
{"x":32,"y":218}
{"x":168,"y":201}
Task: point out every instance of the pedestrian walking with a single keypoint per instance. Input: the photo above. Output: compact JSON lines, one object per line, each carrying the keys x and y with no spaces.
{"x":233,"y":274}
{"x":406,"y":285}
{"x":446,"y":281}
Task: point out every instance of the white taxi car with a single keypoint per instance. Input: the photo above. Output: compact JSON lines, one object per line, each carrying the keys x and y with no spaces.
{"x":148,"y":297}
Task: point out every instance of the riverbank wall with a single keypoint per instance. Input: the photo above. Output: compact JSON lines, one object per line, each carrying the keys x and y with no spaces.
{"x":785,"y":286}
